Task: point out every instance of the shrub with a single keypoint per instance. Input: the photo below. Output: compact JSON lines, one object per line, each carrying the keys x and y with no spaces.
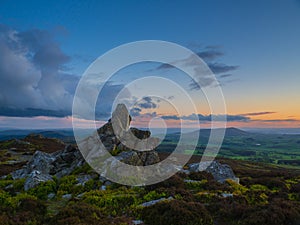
{"x":279,"y":212}
{"x":43,"y":190}
{"x":84,"y":169}
{"x":79,"y":213}
{"x":152,"y":195}
{"x":176,"y":212}
{"x":67,"y":185}
{"x":112,"y":202}
{"x":173,"y":182}
{"x":201,"y":176}
{"x":21,"y":209}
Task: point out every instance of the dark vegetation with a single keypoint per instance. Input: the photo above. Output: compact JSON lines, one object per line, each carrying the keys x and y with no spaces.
{"x":267,"y":194}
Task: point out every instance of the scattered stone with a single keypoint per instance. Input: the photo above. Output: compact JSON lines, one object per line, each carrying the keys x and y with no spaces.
{"x":137,"y":222}
{"x":153,"y":202}
{"x":67,"y":196}
{"x":8,"y":187}
{"x":80,"y":195}
{"x":227,"y":195}
{"x":51,"y":195}
{"x":82,"y":179}
{"x":191,"y":181}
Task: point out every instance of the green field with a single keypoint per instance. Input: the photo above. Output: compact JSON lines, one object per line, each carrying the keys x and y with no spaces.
{"x":280,"y":149}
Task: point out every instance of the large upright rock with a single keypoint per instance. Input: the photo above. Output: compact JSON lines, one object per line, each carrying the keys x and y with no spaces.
{"x":117,"y":136}
{"x":120,"y":119}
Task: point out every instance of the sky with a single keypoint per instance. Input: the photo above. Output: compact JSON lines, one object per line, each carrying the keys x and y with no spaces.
{"x":252,"y":47}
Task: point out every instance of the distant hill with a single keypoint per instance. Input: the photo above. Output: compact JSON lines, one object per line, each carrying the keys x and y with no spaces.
{"x":63,"y":134}
{"x":229,"y":132}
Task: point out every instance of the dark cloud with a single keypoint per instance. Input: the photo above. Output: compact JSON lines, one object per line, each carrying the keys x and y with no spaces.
{"x":32,"y":112}
{"x":209,"y":55}
{"x":135,"y":112}
{"x":202,"y":82}
{"x":34,"y":78}
{"x":213,"y":47}
{"x":171,"y":117}
{"x":237,"y":118}
{"x":147,"y":103}
{"x":47,"y":54}
{"x":165,"y":66}
{"x":207,"y":118}
{"x":225,"y":75}
{"x":257,"y":113}
{"x":228,"y":117}
{"x":219,"y":68}
{"x":171,"y":97}
{"x":277,"y":120}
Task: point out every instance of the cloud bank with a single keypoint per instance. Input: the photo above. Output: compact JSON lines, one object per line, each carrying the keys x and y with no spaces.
{"x":31,"y":77}
{"x":35,"y":79}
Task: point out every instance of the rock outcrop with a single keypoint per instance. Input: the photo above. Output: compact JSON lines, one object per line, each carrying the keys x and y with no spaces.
{"x":57,"y":164}
{"x":113,"y":134}
{"x":220,"y":172}
{"x":128,"y":145}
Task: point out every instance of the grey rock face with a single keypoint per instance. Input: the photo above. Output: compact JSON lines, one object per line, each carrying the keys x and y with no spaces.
{"x":117,"y":136}
{"x":43,"y":166}
{"x":220,"y":172}
{"x":40,"y":161}
{"x":34,"y":179}
{"x":120,"y":119}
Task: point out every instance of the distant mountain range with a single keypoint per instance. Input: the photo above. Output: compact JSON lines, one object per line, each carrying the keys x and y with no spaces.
{"x":67,"y":134}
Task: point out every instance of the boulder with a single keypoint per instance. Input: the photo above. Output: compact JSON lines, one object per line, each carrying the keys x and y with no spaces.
{"x":43,"y":166}
{"x":220,"y":172}
{"x":153,"y":202}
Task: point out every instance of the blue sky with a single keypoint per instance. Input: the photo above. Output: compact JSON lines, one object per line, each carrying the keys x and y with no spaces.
{"x":260,"y":38}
